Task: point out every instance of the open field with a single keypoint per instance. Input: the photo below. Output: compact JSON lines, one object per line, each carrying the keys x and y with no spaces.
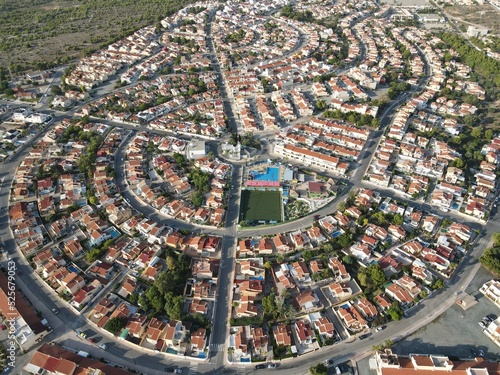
{"x":475,"y":15}
{"x":38,"y":34}
{"x":260,"y":205}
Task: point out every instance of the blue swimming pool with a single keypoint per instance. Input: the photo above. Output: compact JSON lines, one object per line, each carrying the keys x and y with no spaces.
{"x":261,"y":278}
{"x":272,"y":174}
{"x":337,"y":233}
{"x":114,"y":233}
{"x":72,"y":268}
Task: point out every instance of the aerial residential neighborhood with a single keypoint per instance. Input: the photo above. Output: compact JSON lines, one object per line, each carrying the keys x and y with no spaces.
{"x":254,"y":187}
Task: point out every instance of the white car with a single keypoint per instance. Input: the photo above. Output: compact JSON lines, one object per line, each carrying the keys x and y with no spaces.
{"x":55,"y":311}
{"x":103,"y":346}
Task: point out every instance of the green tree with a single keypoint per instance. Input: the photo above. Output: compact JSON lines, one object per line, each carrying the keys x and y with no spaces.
{"x":438,"y":284}
{"x":55,"y":90}
{"x":197,"y":199}
{"x":348,"y":259}
{"x":377,"y":274}
{"x":395,"y":311}
{"x":343,"y":240}
{"x":488,"y":134}
{"x":477,"y":132}
{"x":397,"y":219}
{"x":363,"y":277}
{"x":155,"y":299}
{"x":458,"y":163}
{"x":491,"y":260}
{"x":173,"y":306}
{"x":320,"y":105}
{"x":115,"y":325}
{"x":496,"y":239}
{"x":319,"y":369}
{"x":134,"y":298}
{"x":269,"y":304}
{"x":179,"y":159}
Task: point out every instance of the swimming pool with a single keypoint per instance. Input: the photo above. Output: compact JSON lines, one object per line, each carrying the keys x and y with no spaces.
{"x":337,"y":233}
{"x":72,"y":268}
{"x":272,"y":174}
{"x":114,"y":233}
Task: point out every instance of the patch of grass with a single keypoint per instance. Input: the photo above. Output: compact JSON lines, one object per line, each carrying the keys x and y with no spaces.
{"x":260,"y":205}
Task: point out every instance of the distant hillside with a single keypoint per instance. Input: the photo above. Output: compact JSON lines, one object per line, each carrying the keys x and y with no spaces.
{"x":37,"y":34}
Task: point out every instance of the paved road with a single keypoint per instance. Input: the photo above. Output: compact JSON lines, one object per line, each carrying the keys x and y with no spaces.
{"x":119,"y":352}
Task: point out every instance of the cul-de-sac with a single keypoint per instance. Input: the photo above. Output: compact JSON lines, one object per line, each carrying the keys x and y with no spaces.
{"x":250,"y":187}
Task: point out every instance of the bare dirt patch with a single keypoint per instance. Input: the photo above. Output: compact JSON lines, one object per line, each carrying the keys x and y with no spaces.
{"x":477,"y":15}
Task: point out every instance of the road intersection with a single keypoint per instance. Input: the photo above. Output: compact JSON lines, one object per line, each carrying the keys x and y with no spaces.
{"x":148,"y":362}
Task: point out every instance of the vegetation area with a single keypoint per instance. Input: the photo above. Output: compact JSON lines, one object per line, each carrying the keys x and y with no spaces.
{"x":491,"y":257}
{"x":98,"y":251}
{"x":353,"y":117}
{"x":247,"y":140}
{"x":236,"y":37}
{"x":491,"y":42}
{"x":165,"y":296}
{"x":278,"y":306}
{"x":201,"y":182}
{"x":289,"y":12}
{"x":115,"y":325}
{"x":4,"y":83}
{"x":319,"y":369}
{"x":44,"y":33}
{"x":486,"y":69}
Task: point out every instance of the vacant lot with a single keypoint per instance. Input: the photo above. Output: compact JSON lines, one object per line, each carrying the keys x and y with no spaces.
{"x":42,"y":33}
{"x":260,"y":205}
{"x":475,"y":15}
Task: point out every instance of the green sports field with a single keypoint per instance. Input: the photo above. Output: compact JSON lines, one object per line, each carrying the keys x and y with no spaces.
{"x":260,"y":205}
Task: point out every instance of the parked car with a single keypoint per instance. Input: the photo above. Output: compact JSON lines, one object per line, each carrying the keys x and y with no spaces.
{"x":92,"y":340}
{"x":481,"y":353}
{"x":482,"y":325}
{"x":379,"y":328}
{"x":3,"y":327}
{"x":364,"y":336}
{"x":260,"y":367}
{"x":55,"y":311}
{"x":272,"y":365}
{"x":488,"y":319}
{"x":103,"y":346}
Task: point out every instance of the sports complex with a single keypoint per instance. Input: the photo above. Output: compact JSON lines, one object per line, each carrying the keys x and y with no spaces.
{"x":261,"y":197}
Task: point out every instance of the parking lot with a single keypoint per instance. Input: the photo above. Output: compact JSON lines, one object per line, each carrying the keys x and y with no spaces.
{"x":456,"y":333}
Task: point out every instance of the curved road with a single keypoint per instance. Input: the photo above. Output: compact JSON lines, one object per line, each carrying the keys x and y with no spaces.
{"x":150,"y":363}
